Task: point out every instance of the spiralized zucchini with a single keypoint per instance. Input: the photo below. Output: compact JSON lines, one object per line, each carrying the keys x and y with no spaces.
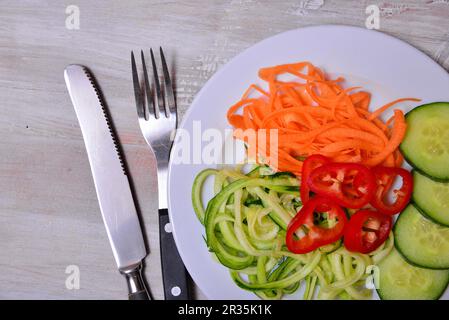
{"x":245,"y":225}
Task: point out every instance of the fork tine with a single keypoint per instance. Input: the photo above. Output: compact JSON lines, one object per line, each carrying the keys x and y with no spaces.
{"x":150,"y":104}
{"x":159,"y":101}
{"x":171,"y":102}
{"x":137,"y":91}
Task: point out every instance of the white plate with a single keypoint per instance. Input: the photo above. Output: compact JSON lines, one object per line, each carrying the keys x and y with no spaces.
{"x":383,"y":65}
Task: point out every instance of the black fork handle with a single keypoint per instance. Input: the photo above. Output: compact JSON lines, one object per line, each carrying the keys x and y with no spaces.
{"x":174,"y":274}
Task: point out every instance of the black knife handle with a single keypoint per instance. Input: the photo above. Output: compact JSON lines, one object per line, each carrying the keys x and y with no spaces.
{"x":174,"y":273}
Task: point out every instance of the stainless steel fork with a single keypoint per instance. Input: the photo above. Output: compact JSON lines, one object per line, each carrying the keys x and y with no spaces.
{"x":156,"y":111}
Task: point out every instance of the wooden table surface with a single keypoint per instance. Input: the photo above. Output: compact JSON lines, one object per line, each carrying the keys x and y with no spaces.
{"x":49,"y":215}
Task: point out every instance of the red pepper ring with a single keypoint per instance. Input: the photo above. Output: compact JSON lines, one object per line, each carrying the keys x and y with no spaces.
{"x":383,"y":177}
{"x":350,"y":185}
{"x":312,"y":162}
{"x":313,"y":235}
{"x":367,"y":230}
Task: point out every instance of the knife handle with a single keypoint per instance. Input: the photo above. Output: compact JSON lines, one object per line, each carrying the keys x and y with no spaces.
{"x":136,"y":286}
{"x":174,"y":273}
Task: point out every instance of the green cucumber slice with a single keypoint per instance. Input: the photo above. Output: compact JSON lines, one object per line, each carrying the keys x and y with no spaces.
{"x":432,"y":198}
{"x":421,"y":241}
{"x":426,"y":142}
{"x":399,"y":280}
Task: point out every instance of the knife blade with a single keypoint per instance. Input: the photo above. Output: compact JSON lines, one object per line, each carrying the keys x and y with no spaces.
{"x":110,"y":178}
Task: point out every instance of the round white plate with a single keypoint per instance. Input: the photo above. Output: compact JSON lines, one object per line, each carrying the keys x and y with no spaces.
{"x":383,"y":65}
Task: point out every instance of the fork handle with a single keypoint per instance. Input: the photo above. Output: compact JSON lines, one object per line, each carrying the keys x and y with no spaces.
{"x":174,"y":274}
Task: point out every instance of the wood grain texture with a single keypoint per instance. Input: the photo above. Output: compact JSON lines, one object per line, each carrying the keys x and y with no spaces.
{"x":49,"y":216}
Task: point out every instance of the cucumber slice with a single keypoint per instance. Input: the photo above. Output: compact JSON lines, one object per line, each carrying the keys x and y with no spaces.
{"x":426,"y":142}
{"x":432,"y":198}
{"x":421,"y":241}
{"x":399,"y":280}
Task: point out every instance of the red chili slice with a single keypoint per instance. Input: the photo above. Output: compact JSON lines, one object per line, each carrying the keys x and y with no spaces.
{"x":367,"y":230}
{"x":307,"y":223}
{"x":383,"y":177}
{"x":312,"y":162}
{"x":350,"y":185}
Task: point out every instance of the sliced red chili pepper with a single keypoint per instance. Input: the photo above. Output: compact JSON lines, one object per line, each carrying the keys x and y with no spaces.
{"x":319,"y":222}
{"x":383,"y":177}
{"x":367,"y":230}
{"x":312,"y":162}
{"x":350,"y":185}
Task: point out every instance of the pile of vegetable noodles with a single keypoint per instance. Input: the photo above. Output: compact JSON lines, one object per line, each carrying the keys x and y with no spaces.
{"x":246,"y":224}
{"x":316,"y":115}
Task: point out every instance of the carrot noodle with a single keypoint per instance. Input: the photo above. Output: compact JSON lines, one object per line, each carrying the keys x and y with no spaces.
{"x":316,"y":115}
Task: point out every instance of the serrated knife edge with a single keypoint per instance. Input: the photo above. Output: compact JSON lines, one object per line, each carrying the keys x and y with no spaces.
{"x":103,"y":107}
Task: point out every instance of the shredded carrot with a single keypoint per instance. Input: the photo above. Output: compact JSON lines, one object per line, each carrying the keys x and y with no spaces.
{"x":316,"y":115}
{"x":379,"y":111}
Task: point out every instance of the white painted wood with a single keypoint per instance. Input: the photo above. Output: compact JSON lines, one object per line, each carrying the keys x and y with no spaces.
{"x":49,"y":216}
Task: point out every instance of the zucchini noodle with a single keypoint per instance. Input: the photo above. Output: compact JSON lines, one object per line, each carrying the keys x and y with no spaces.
{"x":245,"y":225}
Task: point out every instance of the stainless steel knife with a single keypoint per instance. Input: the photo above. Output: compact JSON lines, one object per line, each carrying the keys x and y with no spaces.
{"x":110,"y":178}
